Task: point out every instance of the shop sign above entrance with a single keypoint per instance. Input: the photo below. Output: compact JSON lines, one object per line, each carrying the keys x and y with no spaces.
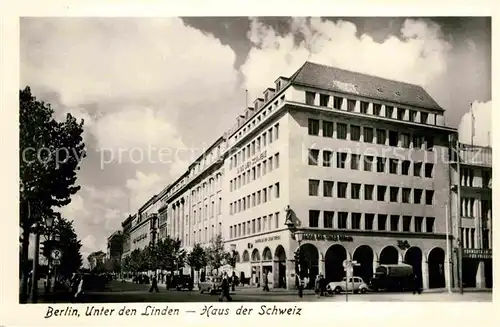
{"x":477,"y":253}
{"x":268,"y":239}
{"x":327,"y":237}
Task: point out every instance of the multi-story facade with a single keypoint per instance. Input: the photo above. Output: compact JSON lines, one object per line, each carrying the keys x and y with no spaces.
{"x":473,"y":224}
{"x":357,"y":160}
{"x":114,"y":247}
{"x":126,"y":227}
{"x":96,"y":259}
{"x":143,"y":232}
{"x":358,"y":164}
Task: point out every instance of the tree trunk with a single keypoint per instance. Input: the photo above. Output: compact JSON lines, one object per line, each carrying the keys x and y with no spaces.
{"x":24,"y":265}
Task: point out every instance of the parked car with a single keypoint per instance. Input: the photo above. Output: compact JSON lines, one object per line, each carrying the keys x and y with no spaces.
{"x":347,"y":284}
{"x":211,"y":285}
{"x":184,"y":282}
{"x":397,"y":277}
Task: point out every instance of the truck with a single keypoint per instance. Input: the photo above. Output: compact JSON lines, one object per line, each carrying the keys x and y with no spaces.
{"x":395,"y":277}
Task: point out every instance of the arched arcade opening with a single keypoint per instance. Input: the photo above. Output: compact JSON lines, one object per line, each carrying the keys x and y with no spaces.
{"x":309,"y":266}
{"x":389,"y":256}
{"x":280,"y":267}
{"x":436,"y":268}
{"x":364,"y":256}
{"x":334,"y":257}
{"x":413,"y":257}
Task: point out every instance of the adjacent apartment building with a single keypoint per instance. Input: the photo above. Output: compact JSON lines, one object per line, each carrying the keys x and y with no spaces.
{"x":359,"y":163}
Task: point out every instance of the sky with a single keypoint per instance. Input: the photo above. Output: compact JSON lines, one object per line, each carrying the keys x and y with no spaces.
{"x":154,"y":93}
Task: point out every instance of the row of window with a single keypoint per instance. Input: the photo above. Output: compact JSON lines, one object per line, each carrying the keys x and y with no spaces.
{"x":260,"y":142}
{"x":367,"y":192}
{"x":201,"y":237}
{"x":203,"y":214}
{"x":467,"y":178}
{"x":250,"y":201}
{"x":469,"y":238}
{"x":251,"y":174}
{"x":254,"y":226}
{"x":207,"y":188}
{"x":260,"y":117}
{"x":369,"y":163}
{"x":389,"y":112}
{"x":352,"y":132}
{"x":370,"y":221}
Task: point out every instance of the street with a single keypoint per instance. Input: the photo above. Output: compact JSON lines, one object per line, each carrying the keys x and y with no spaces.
{"x":128,"y":292}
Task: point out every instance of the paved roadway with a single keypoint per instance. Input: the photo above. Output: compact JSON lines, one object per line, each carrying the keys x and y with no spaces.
{"x":128,"y":292}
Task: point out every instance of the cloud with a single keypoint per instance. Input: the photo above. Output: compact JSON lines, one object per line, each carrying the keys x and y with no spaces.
{"x":143,"y":187}
{"x":479,"y":129}
{"x":417,"y":55}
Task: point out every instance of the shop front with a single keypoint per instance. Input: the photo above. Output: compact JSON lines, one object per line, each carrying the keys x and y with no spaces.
{"x":477,"y":268}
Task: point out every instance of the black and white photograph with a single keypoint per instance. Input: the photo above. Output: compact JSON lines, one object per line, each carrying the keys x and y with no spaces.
{"x":254,"y":159}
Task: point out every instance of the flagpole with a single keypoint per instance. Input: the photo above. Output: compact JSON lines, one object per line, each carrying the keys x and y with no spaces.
{"x":448,"y":250}
{"x":471,"y":125}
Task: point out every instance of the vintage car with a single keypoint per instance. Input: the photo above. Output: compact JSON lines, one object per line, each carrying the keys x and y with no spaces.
{"x":348,"y":284}
{"x":184,"y":282}
{"x":211,"y":285}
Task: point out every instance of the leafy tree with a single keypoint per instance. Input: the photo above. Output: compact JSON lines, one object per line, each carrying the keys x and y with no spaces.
{"x":69,"y":244}
{"x":197,"y":258}
{"x":216,"y":254}
{"x":49,"y":156}
{"x":169,"y":254}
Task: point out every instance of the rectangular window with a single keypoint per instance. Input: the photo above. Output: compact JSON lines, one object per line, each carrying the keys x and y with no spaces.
{"x":337,"y":102}
{"x":276,"y":160}
{"x":423,"y":117}
{"x":364,"y":107}
{"x":270,"y":163}
{"x":313,"y":127}
{"x":382,"y":222}
{"x":394,"y":223}
{"x":323,"y":100}
{"x":313,"y":218}
{"x":401,"y":113}
{"x":264,"y":195}
{"x":310,"y":98}
{"x":405,"y":140}
{"x":418,"y":224}
{"x":355,"y":161}
{"x":417,"y":169}
{"x":351,"y":104}
{"x":381,"y":190}
{"x":429,"y":143}
{"x":264,"y":139}
{"x":355,"y":133}
{"x":393,"y":138}
{"x":341,"y":131}
{"x":355,"y":191}
{"x":327,"y":158}
{"x":342,"y":220}
{"x":405,"y":167}
{"x":417,"y":196}
{"x":369,"y":192}
{"x":258,"y":197}
{"x":381,"y":165}
{"x":328,"y":188}
{"x":276,"y":131}
{"x":341,"y":159}
{"x":389,"y":110}
{"x":429,"y":197}
{"x":369,"y":217}
{"x":313,"y":157}
{"x":377,"y":108}
{"x":486,"y":239}
{"x":368,"y":163}
{"x":277,"y":190}
{"x":368,"y":134}
{"x":313,"y":187}
{"x":429,"y":224}
{"x":381,"y":136}
{"x":270,"y":136}
{"x":413,"y":116}
{"x":327,"y":128}
{"x":393,"y":166}
{"x":328,"y":219}
{"x":355,"y":220}
{"x":406,"y":195}
{"x":277,"y":220}
{"x":417,"y":141}
{"x":393,"y":193}
{"x":341,"y":190}
{"x":429,"y":167}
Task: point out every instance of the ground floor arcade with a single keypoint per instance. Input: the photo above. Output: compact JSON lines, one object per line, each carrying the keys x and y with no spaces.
{"x":325,"y":251}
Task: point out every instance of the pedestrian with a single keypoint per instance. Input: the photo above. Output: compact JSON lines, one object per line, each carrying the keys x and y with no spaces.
{"x":154,"y":284}
{"x":79,"y":290}
{"x":265,"y":281}
{"x":225,"y":289}
{"x":317,"y":286}
{"x":233,"y":281}
{"x":416,"y":286}
{"x":298,"y":284}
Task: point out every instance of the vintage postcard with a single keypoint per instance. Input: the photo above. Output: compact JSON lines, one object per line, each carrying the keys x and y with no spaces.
{"x":171,"y":166}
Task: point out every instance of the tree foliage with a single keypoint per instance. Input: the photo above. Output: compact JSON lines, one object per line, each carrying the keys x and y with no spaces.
{"x":197,"y":258}
{"x":216,"y":254}
{"x":50,"y":153}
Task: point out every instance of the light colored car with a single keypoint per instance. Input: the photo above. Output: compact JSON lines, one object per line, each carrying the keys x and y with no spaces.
{"x":348,"y":284}
{"x":211,"y":285}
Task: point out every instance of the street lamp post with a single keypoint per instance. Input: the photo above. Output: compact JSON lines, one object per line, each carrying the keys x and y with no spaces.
{"x":233,"y":264}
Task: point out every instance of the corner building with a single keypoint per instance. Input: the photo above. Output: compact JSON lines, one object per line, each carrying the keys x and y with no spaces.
{"x":359,"y":160}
